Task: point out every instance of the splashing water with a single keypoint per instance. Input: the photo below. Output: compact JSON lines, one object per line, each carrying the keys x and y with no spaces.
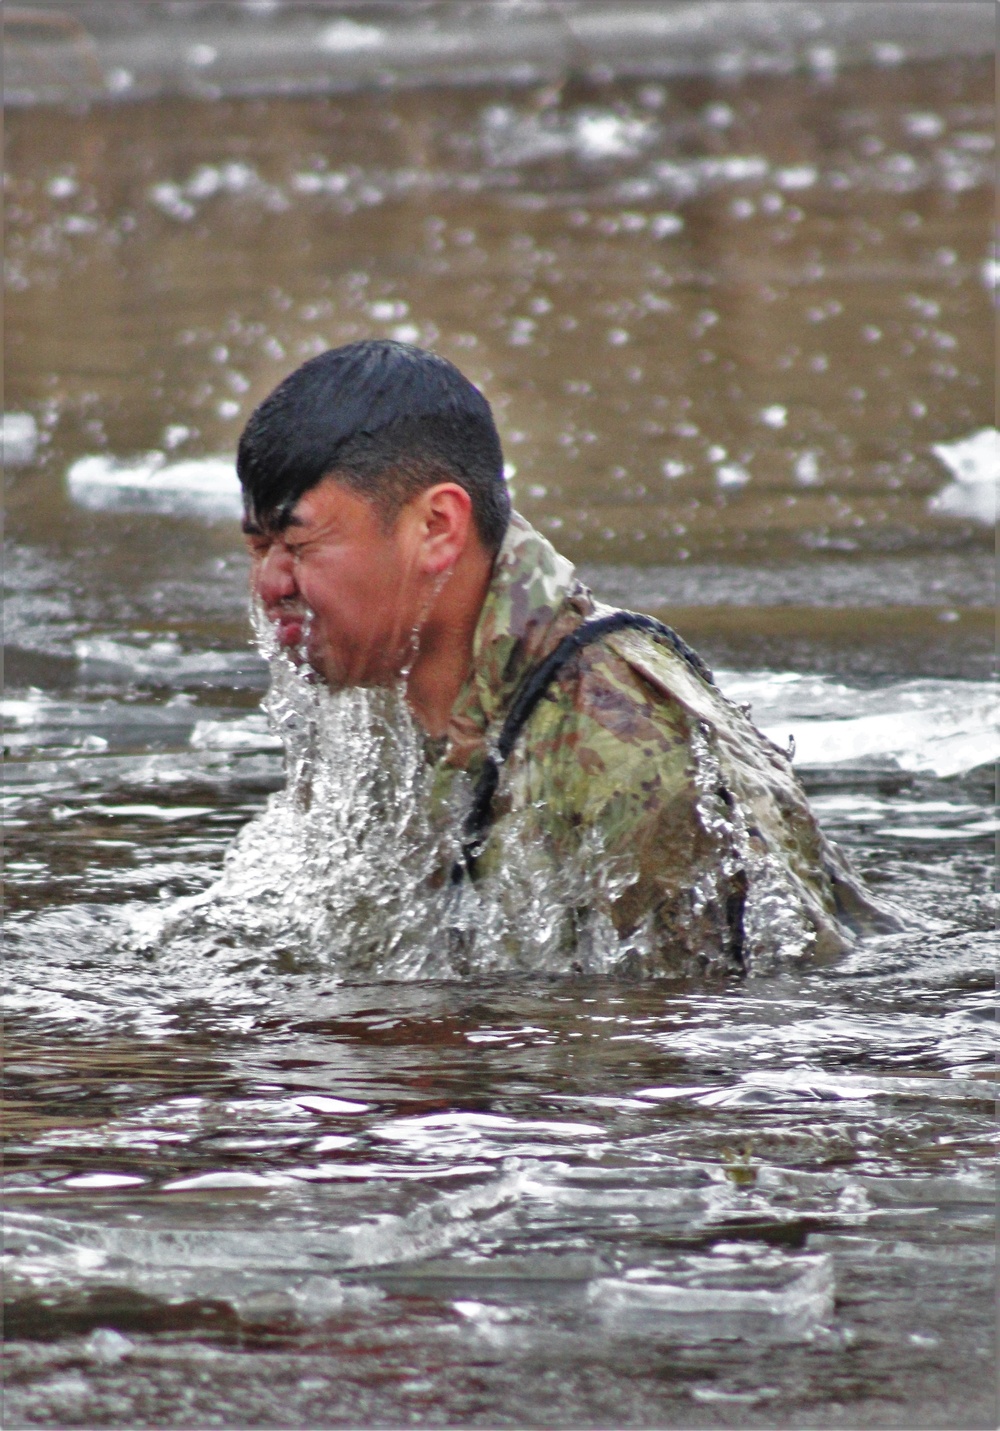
{"x":347,"y":868}
{"x":775,"y":921}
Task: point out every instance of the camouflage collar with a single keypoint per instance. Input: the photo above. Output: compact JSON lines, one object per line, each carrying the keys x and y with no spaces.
{"x":533,"y":600}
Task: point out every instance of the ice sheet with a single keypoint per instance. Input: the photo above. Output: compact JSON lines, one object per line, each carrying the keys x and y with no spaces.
{"x":941,"y":728}
{"x":204,"y":487}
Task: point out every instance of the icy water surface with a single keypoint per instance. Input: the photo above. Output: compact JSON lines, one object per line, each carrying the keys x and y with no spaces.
{"x":738,"y":334}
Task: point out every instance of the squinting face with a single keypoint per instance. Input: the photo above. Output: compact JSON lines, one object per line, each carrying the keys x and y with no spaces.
{"x":359,"y":585}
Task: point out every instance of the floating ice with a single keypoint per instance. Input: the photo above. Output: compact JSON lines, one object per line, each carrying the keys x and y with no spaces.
{"x":18,"y":438}
{"x":164,"y":661}
{"x":702,"y":1298}
{"x":796,"y":176}
{"x":665,"y":225}
{"x":154,"y":812}
{"x":601,"y":136}
{"x":168,"y":1262}
{"x":687,"y":177}
{"x":589,"y":134}
{"x":807,"y":469}
{"x":731,"y":475}
{"x":248,"y":733}
{"x":180,"y":200}
{"x":204,"y":487}
{"x":235,"y":1179}
{"x":941,"y":728}
{"x":96,"y":1181}
{"x":975,"y":463}
{"x":787,"y":1086}
{"x":344,"y":36}
{"x":108,"y":1346}
{"x":320,"y":1103}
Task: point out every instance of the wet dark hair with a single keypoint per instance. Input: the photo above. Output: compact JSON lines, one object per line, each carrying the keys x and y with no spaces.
{"x":387,"y":420}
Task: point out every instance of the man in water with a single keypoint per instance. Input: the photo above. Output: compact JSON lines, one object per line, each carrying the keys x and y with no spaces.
{"x":384,"y":549}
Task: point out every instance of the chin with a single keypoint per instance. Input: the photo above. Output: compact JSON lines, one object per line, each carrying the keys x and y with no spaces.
{"x":332,"y":677}
{"x":340,"y":675}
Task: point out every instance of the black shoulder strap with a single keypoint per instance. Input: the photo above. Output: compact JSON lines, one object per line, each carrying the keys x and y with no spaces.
{"x":527,"y":697}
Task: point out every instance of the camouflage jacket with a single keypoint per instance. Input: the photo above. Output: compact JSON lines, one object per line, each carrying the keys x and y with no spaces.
{"x":698,"y":838}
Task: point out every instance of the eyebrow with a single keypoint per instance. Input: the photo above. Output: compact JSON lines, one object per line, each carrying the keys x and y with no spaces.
{"x":251,"y":528}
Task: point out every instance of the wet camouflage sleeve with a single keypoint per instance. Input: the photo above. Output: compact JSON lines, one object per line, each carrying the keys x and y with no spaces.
{"x":716,"y":853}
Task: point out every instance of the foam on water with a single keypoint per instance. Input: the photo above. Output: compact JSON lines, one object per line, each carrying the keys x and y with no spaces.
{"x":204,"y":487}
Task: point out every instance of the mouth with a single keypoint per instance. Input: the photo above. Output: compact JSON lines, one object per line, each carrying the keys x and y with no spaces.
{"x":289,"y":628}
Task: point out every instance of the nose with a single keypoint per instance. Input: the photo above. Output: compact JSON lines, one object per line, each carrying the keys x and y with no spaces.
{"x":273,"y":576}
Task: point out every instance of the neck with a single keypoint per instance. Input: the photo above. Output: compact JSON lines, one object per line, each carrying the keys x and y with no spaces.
{"x":444,"y":658}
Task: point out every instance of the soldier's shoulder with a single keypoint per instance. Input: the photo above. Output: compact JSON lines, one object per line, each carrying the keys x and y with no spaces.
{"x":605,"y":739}
{"x":667,"y":668}
{"x":633,"y":676}
{"x":606,"y":712}
{"x":647,"y":690}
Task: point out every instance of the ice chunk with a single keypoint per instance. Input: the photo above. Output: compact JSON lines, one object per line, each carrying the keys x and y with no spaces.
{"x":797,"y":176}
{"x":665,"y":225}
{"x":732,"y":1295}
{"x":164,"y":662}
{"x":731,"y":475}
{"x":250,"y":733}
{"x":344,"y":36}
{"x":95,"y":1181}
{"x":320,"y":1103}
{"x":204,"y":487}
{"x":18,"y":438}
{"x":592,"y":134}
{"x":933,"y":727}
{"x":975,"y":464}
{"x":235,"y":1179}
{"x":107,"y":1345}
{"x":603,"y":136}
{"x":807,"y":469}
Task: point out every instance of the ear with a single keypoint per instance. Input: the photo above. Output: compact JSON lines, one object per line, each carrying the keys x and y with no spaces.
{"x":445,"y":513}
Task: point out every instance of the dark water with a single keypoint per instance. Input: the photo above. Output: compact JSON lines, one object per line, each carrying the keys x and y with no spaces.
{"x":723,"y":324}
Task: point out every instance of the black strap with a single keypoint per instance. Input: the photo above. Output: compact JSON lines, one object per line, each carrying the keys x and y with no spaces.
{"x":527,"y":697}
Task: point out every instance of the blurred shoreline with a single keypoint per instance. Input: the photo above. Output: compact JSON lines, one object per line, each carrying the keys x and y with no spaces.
{"x":85,"y":51}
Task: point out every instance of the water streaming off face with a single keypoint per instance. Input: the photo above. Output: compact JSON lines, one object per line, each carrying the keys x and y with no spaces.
{"x":738,"y":335}
{"x":347,"y":869}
